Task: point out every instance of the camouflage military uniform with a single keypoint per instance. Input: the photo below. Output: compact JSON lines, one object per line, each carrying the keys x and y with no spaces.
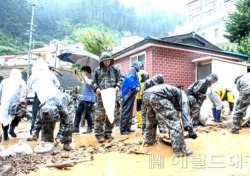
{"x":243,"y":101}
{"x":157,"y":79}
{"x":118,"y":107}
{"x":53,"y":110}
{"x":103,"y":79}
{"x":162,"y":102}
{"x":196,"y":93}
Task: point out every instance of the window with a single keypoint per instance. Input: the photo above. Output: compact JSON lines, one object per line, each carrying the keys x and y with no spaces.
{"x":139,"y":57}
{"x":216,"y":33}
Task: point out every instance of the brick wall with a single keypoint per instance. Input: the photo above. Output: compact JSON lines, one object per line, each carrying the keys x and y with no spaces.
{"x":176,"y":65}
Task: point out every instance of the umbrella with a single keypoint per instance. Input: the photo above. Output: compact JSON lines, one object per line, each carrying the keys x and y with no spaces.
{"x":80,"y":57}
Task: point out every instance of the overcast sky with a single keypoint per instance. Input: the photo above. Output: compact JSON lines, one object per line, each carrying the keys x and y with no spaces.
{"x":168,"y":5}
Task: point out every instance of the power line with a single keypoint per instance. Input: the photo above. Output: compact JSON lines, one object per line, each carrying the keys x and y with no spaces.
{"x":13,"y":19}
{"x":30,"y":42}
{"x":46,"y":15}
{"x":36,"y":18}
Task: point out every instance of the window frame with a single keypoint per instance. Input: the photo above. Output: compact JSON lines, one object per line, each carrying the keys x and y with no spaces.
{"x":137,"y":56}
{"x":216,"y":33}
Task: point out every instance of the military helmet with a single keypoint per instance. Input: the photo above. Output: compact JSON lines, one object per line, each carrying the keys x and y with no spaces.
{"x":237,"y":79}
{"x":158,"y":79}
{"x":212,"y":77}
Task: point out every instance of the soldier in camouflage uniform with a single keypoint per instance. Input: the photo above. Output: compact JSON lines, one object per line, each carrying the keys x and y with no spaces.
{"x":53,"y":110}
{"x":186,"y":120}
{"x":40,"y":81}
{"x":162,"y":102}
{"x":243,"y":101}
{"x":155,"y":80}
{"x":196,"y":93}
{"x":105,"y":76}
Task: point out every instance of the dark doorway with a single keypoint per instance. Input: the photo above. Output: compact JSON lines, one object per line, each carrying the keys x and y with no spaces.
{"x":203,"y":71}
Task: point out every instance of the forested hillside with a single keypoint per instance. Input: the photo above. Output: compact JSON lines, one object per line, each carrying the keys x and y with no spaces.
{"x":57,"y":19}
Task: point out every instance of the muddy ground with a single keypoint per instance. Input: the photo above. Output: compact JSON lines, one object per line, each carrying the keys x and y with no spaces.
{"x":215,"y":152}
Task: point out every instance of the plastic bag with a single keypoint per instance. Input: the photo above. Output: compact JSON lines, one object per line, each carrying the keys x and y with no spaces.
{"x":108,"y":98}
{"x":205,"y":112}
{"x":45,"y":147}
{"x":4,"y":152}
{"x":21,"y":148}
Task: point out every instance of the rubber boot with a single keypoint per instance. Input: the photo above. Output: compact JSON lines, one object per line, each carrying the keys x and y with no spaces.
{"x":192,"y":134}
{"x":139,"y":117}
{"x":75,"y":130}
{"x":218,"y":116}
{"x":214,"y":113}
{"x":5,"y":132}
{"x":11,"y":131}
{"x":89,"y":130}
{"x":66,"y":147}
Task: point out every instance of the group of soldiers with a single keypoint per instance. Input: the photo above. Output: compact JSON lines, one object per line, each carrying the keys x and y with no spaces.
{"x":159,"y":105}
{"x":162,"y":103}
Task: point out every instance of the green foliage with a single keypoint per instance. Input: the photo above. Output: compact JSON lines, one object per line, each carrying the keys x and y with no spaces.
{"x":229,"y":47}
{"x":5,"y":50}
{"x":244,"y":45}
{"x":39,"y":44}
{"x":64,"y":27}
{"x":238,"y":23}
{"x":58,"y":19}
{"x":94,"y":40}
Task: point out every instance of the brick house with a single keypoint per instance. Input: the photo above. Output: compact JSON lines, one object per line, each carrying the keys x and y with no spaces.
{"x":174,"y":57}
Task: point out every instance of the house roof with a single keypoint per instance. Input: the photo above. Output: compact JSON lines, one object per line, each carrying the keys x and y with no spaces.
{"x":152,"y":41}
{"x":191,"y":39}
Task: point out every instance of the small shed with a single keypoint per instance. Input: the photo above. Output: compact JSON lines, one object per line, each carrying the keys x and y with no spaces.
{"x":226,"y":70}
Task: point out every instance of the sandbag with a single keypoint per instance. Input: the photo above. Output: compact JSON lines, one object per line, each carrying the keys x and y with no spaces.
{"x":4,"y":152}
{"x":205,"y":111}
{"x":45,"y":147}
{"x":21,"y":148}
{"x":108,"y":98}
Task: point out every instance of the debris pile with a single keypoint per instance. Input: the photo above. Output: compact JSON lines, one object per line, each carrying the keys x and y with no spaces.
{"x":24,"y":164}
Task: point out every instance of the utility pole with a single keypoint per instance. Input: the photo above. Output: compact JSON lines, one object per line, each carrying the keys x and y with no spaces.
{"x":33,"y":44}
{"x":57,"y":43}
{"x":30,"y":42}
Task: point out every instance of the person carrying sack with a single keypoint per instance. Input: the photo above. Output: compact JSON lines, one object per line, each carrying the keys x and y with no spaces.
{"x":12,"y":91}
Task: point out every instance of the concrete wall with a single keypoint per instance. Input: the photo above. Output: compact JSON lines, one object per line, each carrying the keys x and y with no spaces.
{"x":227,"y":72}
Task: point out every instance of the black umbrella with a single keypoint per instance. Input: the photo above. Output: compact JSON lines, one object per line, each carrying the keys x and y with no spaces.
{"x":80,"y":57}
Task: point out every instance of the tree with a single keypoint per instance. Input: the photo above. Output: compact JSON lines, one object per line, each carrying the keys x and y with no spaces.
{"x":238,"y":23}
{"x":94,"y":40}
{"x":244,"y":45}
